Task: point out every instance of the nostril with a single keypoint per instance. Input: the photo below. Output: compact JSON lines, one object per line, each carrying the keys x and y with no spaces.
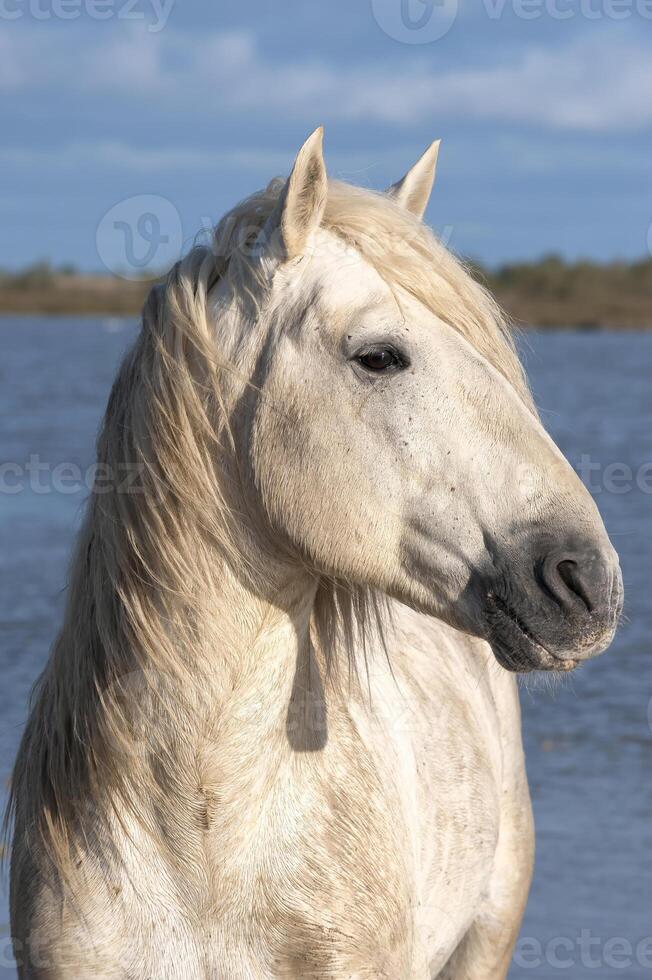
{"x":580,"y":575}
{"x":571,"y":575}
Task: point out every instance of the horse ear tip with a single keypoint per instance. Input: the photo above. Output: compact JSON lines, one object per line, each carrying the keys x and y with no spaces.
{"x":314,"y":142}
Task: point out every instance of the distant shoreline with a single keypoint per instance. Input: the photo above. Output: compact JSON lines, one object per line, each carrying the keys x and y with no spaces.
{"x":548,"y":293}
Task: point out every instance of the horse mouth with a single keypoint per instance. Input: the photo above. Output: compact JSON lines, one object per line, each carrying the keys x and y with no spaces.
{"x":514,"y":646}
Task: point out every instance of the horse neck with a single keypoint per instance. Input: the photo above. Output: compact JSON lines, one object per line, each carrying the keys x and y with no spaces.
{"x":260,"y":689}
{"x":260,"y":630}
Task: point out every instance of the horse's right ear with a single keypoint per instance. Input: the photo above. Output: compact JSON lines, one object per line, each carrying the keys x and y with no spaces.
{"x":301,"y":203}
{"x":413,"y":191}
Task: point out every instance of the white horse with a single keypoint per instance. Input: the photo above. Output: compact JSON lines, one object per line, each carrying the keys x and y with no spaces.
{"x":279,"y":733}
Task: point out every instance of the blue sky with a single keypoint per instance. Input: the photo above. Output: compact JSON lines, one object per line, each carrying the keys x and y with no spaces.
{"x":544,"y":108}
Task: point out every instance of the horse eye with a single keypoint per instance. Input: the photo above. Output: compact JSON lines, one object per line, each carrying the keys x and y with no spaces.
{"x":379,"y":359}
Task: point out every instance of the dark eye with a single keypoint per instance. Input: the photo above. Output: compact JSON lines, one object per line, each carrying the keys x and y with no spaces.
{"x":380,"y":359}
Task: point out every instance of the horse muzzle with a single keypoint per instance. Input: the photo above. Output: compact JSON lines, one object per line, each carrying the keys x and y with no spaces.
{"x":555,"y":611}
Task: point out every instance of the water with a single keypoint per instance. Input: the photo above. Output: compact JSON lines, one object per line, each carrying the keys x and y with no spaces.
{"x":588,"y":741}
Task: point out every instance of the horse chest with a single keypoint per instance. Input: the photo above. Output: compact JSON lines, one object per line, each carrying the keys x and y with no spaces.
{"x":368,"y":858}
{"x":316,"y":871}
{"x":376,"y":850}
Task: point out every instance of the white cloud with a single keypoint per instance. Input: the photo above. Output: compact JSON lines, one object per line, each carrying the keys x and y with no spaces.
{"x":595,"y":83}
{"x":11,"y":74}
{"x":121,"y":157}
{"x":524,"y":155}
{"x":132,"y":62}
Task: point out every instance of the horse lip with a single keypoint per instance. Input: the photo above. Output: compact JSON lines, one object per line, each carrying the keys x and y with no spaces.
{"x":531,"y":654}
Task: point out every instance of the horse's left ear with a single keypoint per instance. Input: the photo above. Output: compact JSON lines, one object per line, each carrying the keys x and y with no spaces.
{"x":301,"y":204}
{"x":413,"y":191}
